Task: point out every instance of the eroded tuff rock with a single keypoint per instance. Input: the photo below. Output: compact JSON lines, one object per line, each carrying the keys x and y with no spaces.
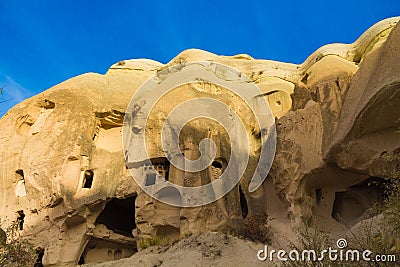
{"x":63,"y":174}
{"x":207,"y":249}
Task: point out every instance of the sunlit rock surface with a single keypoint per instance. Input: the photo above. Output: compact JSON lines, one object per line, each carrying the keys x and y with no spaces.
{"x":64,"y":178}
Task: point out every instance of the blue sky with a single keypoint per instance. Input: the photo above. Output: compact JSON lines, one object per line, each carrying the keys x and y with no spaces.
{"x":46,"y":42}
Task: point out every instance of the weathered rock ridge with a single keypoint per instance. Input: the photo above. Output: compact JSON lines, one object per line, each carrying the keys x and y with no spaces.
{"x":63,"y":175}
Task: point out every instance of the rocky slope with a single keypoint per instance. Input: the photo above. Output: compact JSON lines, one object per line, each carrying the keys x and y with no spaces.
{"x":207,"y":249}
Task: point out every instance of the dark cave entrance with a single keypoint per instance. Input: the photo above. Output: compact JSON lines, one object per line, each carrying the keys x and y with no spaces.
{"x":351,"y":206}
{"x":88,"y":179}
{"x":243,"y":203}
{"x":119,"y":216}
{"x":20,"y":174}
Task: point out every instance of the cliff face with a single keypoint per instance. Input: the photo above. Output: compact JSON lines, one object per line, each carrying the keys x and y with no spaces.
{"x":337,"y":118}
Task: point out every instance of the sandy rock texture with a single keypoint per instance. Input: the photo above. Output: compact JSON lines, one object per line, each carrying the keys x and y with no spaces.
{"x":207,"y":249}
{"x":63,"y":176}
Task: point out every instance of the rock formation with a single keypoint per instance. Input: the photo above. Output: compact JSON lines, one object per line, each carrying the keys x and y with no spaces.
{"x":63,"y":175}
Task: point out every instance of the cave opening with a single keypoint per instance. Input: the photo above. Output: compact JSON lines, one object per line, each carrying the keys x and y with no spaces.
{"x":243,"y":203}
{"x":161,"y":165}
{"x":351,"y":206}
{"x":81,"y":260}
{"x":156,"y":169}
{"x":119,"y":216}
{"x":99,"y":250}
{"x":88,"y":179}
{"x":20,"y":174}
{"x":40,"y":253}
{"x":216,"y":169}
{"x":216,"y":164}
{"x":318,"y":195}
{"x":21,"y":219}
